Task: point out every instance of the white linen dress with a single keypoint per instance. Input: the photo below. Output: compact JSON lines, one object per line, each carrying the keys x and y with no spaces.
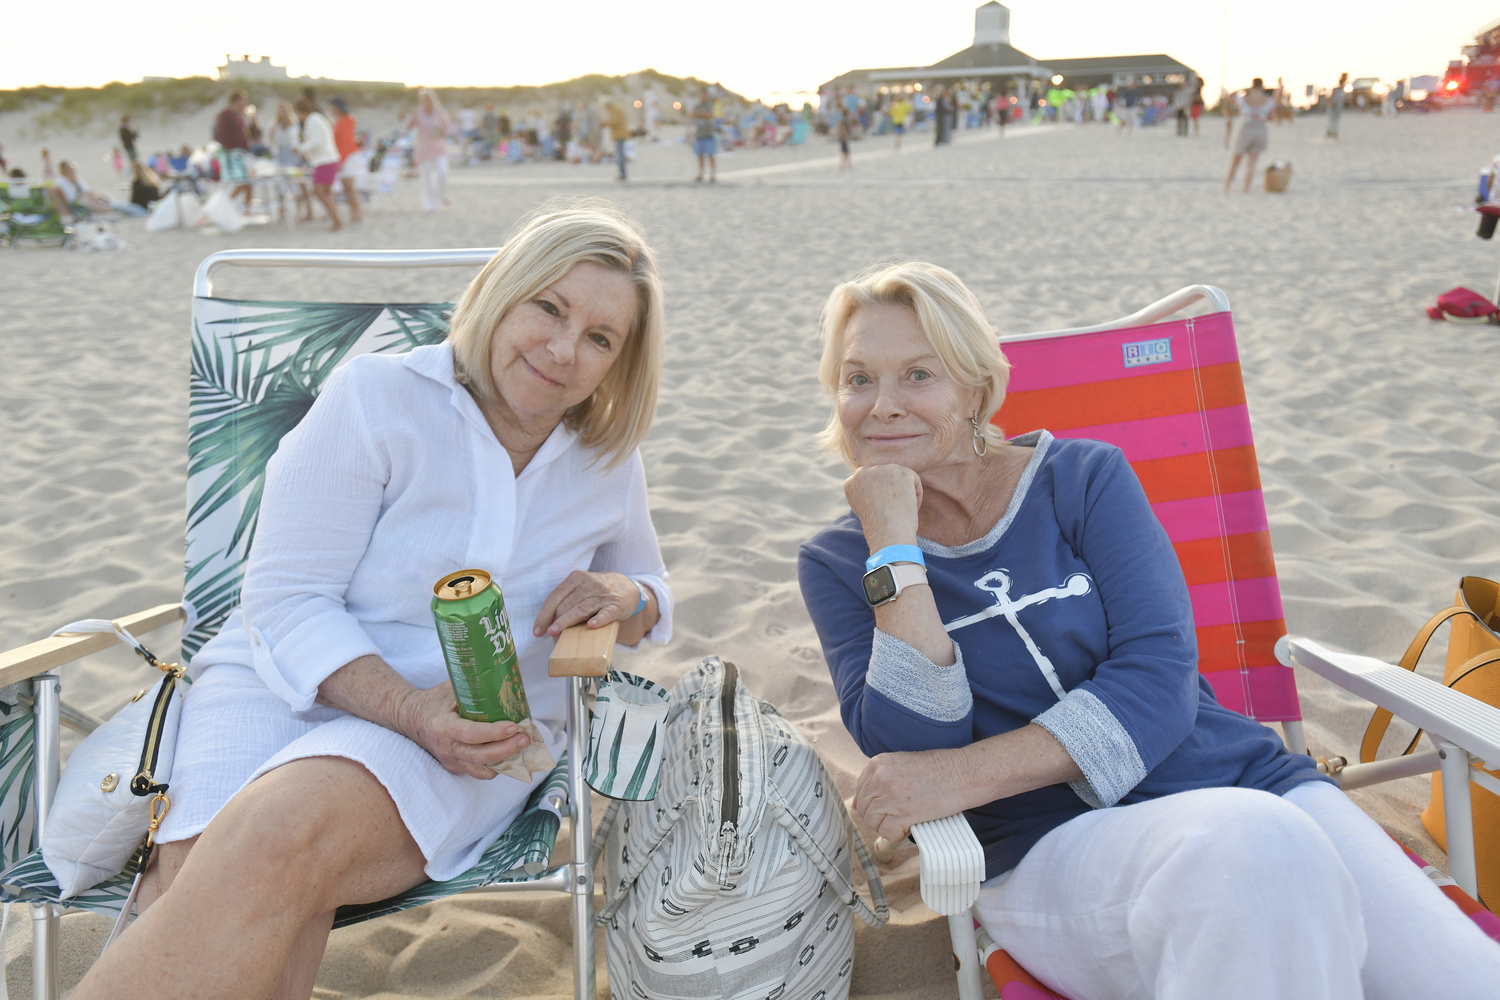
{"x":392,"y":480}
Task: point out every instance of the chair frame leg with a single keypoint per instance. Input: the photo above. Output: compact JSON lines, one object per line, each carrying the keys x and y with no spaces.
{"x":966,"y":951}
{"x":1458,"y":816}
{"x":1293,"y":736}
{"x":46,"y":692}
{"x":581,"y":829}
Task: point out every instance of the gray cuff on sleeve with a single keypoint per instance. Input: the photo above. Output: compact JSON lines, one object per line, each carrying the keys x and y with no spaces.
{"x":1098,"y":744}
{"x":908,"y":678}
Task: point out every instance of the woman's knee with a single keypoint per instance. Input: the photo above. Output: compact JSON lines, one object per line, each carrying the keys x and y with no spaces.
{"x":312,"y":823}
{"x":1255,"y":842}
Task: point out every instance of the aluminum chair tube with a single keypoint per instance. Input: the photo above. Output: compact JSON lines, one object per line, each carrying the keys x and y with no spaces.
{"x":203,"y":286}
{"x":580,"y":832}
{"x":1154,"y":313}
{"x":1458,"y":816}
{"x":1293,"y":736}
{"x":966,"y":953}
{"x":1361,"y":775}
{"x":46,"y":690}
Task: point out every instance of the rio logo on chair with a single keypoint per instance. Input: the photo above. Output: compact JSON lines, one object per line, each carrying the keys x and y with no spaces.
{"x":1148,"y":352}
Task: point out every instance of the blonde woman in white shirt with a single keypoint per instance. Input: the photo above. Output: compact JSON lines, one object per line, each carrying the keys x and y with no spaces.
{"x":318,"y":149}
{"x":320,"y":760}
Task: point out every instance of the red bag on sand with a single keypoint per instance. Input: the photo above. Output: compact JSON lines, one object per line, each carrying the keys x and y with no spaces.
{"x":1461,"y":303}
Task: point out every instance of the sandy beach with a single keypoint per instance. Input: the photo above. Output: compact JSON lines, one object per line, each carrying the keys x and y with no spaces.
{"x":1378,"y":430}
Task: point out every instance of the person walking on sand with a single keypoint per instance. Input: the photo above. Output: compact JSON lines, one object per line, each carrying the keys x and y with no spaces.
{"x":1256,"y":105}
{"x":1128,"y":107}
{"x":229,"y":132}
{"x":942,"y":109}
{"x":317,"y":149}
{"x":49,"y":172}
{"x":346,"y":143}
{"x":128,"y":136}
{"x":431,"y":124}
{"x":1182,"y":103}
{"x":901,"y":111}
{"x":846,"y":132}
{"x":286,"y":133}
{"x":1197,"y":108}
{"x":1336,"y":108}
{"x":619,"y":130}
{"x":705,"y":142}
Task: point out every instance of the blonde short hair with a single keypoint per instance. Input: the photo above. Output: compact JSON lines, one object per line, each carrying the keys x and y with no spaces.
{"x":949,"y":315}
{"x":545,"y":246}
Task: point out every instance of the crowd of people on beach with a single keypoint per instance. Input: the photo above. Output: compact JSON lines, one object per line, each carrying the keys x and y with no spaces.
{"x":312,"y":154}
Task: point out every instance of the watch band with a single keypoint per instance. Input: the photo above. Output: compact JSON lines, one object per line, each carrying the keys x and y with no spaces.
{"x":894,"y":554}
{"x":908,"y":575}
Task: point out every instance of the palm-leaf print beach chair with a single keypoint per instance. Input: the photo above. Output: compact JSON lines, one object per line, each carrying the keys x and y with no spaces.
{"x":1169,"y":393}
{"x":257,"y":367}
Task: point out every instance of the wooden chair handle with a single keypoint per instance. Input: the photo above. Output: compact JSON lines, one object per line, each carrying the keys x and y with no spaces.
{"x":583,"y":652}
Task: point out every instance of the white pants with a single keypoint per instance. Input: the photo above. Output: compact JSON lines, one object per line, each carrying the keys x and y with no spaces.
{"x":1231,"y":893}
{"x":434,"y":175}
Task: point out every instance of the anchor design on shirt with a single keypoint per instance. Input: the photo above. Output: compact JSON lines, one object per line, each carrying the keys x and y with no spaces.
{"x":997,"y":583}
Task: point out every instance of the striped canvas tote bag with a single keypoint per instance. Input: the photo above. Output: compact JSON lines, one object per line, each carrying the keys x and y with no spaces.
{"x":735,"y":881}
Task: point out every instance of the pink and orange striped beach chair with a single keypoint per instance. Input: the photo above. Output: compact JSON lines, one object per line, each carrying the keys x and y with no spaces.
{"x":1170,"y":395}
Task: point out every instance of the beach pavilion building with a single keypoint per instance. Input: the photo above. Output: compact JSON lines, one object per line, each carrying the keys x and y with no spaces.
{"x":994,"y":63}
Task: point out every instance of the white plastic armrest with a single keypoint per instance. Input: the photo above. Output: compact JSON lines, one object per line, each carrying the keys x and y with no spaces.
{"x":1443,"y":712}
{"x":952,"y":864}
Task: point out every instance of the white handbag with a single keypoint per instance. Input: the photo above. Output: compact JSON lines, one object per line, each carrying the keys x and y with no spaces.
{"x":113,"y":793}
{"x":737,"y":880}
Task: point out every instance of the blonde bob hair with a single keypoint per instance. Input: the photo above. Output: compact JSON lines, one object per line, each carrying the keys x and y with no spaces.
{"x":949,"y":315}
{"x":545,"y":246}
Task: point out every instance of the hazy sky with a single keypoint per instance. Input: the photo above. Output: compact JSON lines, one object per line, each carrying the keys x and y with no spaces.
{"x":763,"y":49}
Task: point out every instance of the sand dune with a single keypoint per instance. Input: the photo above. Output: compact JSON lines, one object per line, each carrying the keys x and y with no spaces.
{"x":1376,"y":428}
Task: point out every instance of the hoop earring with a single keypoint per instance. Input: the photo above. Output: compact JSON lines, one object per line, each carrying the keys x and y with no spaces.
{"x":981,"y":443}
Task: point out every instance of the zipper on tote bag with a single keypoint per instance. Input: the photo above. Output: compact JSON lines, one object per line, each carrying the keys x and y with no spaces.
{"x":143,"y":783}
{"x":729,"y":805}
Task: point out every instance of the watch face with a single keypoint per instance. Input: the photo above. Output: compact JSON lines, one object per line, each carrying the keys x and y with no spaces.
{"x":880,"y":585}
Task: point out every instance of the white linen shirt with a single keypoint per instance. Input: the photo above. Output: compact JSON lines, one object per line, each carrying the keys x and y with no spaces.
{"x":317,"y":145}
{"x":393,"y":480}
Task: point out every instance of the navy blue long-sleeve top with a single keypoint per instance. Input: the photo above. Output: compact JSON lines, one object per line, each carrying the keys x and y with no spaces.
{"x":1072,"y":612}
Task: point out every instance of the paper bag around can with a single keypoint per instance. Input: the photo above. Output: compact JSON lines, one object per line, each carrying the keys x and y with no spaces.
{"x":535,"y":759}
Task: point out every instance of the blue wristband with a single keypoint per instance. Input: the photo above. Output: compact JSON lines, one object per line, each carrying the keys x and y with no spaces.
{"x":641,"y":606}
{"x":894,"y":554}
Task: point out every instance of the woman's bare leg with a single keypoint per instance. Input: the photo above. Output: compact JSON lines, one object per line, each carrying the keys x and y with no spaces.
{"x":247,"y":911}
{"x":324,"y":193}
{"x":351,"y":195}
{"x":300,"y":974}
{"x":1250,"y":169}
{"x":1234,"y":164}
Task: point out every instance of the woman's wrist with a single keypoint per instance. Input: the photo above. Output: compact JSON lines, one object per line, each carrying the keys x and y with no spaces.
{"x":879,"y":535}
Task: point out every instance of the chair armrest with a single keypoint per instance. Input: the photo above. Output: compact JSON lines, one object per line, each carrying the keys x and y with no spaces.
{"x":952,"y":864}
{"x":1443,"y":712}
{"x":45,"y":654}
{"x":583,"y":652}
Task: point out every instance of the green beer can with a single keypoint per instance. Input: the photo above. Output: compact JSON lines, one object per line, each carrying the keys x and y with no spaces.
{"x":478,"y":647}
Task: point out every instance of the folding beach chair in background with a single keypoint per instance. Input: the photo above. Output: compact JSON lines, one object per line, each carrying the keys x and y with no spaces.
{"x":257,"y":367}
{"x":1171,"y":396}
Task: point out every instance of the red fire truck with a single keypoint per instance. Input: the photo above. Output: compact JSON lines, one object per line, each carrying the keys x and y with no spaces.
{"x":1469,"y":76}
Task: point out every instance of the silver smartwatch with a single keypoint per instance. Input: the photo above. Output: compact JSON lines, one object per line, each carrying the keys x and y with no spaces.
{"x":885,"y":583}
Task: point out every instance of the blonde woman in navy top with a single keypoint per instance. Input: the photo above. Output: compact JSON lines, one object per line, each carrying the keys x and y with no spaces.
{"x":1010,"y":635}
